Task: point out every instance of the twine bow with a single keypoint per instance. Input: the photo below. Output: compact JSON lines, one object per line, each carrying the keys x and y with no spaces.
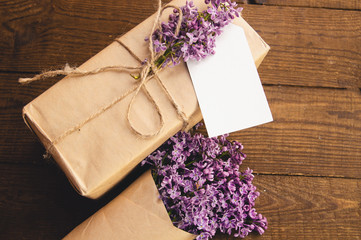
{"x":146,"y":72}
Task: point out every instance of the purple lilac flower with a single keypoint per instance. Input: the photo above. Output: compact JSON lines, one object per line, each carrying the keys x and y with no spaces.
{"x":204,"y":191}
{"x":198,"y":32}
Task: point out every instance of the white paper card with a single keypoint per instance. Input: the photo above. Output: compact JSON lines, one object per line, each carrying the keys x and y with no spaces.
{"x":228,"y":88}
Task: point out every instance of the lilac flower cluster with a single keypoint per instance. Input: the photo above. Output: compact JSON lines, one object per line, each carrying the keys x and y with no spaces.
{"x":202,"y":188}
{"x":198,"y":32}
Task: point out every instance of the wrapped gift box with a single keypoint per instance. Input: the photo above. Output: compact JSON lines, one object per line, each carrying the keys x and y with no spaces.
{"x":104,"y":150}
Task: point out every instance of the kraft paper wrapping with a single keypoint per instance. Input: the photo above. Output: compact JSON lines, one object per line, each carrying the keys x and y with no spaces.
{"x":105,"y":150}
{"x":137,"y":213}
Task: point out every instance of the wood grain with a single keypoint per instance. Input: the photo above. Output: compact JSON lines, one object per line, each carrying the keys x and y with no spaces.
{"x":310,"y":47}
{"x":41,"y":202}
{"x":17,"y":143}
{"x":338,"y":4}
{"x":309,"y":208}
{"x":315,"y":132}
{"x":46,"y":34}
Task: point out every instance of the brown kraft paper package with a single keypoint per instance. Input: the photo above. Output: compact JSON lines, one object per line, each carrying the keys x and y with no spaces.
{"x":137,"y":213}
{"x":104,"y":150}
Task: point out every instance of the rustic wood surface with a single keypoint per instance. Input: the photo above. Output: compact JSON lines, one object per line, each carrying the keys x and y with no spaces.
{"x":307,"y":162}
{"x":337,"y":4}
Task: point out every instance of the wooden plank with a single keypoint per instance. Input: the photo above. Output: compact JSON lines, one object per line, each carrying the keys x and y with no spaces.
{"x":308,"y":208}
{"x":315,"y":131}
{"x":38,"y":201}
{"x":38,"y":35}
{"x":337,"y":4}
{"x":310,"y":47}
{"x":17,"y":143}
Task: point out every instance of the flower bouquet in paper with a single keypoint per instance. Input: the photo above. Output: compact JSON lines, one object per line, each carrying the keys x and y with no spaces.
{"x":202,"y":188}
{"x":194,"y":190}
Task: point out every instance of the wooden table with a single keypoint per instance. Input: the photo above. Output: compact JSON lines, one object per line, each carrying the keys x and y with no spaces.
{"x":307,"y":162}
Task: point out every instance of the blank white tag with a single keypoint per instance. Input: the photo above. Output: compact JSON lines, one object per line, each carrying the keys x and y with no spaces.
{"x":228,"y":88}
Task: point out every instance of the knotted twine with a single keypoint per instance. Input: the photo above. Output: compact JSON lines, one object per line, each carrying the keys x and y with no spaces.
{"x":146,"y":72}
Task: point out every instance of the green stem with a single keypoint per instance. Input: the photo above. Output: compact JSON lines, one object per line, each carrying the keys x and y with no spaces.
{"x":190,"y":163}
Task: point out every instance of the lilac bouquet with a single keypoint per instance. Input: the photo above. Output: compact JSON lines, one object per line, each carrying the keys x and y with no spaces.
{"x":198,"y":178}
{"x":198,"y":31}
{"x":199,"y":182}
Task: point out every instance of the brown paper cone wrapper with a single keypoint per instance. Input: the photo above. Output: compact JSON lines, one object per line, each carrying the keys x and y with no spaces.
{"x":103,"y":151}
{"x":136,"y":214}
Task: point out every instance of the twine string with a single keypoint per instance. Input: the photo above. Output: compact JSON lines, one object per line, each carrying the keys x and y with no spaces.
{"x":146,"y":72}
